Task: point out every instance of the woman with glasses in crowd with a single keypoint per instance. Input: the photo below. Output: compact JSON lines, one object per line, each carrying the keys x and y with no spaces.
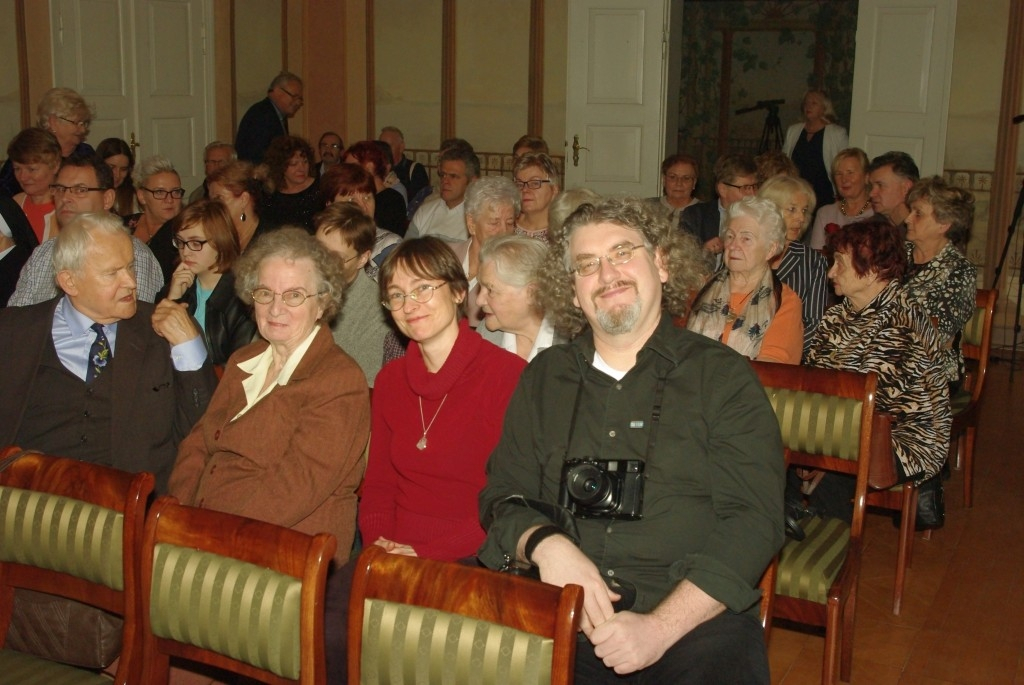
{"x":208,"y":247}
{"x":536,"y":177}
{"x":678,"y":181}
{"x":158,"y":191}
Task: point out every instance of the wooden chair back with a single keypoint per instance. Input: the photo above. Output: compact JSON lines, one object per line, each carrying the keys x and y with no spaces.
{"x":71,"y":529}
{"x":827,"y":419}
{"x":976,"y":341}
{"x":413,"y":619}
{"x":231,"y":592}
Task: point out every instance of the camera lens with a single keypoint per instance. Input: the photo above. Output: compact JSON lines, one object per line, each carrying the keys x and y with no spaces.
{"x":590,"y":487}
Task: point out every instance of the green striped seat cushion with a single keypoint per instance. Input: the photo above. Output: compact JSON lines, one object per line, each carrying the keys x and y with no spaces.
{"x":231,"y":607}
{"x":410,"y":644}
{"x":25,"y":669}
{"x":975,"y":327}
{"x":808,"y":568}
{"x":817,"y":424}
{"x":62,"y":534}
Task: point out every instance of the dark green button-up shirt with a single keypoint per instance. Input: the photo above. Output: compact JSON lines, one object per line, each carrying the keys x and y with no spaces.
{"x":713,"y":493}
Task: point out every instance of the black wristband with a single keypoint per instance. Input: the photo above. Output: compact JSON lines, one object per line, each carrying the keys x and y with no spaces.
{"x":542,"y":533}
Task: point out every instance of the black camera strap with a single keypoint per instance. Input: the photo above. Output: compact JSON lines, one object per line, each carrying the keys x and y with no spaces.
{"x":652,"y":438}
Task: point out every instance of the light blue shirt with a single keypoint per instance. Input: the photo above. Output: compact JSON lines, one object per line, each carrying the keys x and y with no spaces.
{"x":73,"y":338}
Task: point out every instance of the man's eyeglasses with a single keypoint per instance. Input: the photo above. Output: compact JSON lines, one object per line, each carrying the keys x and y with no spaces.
{"x":751,"y":188}
{"x":292,"y":298}
{"x":84,"y":125}
{"x":619,"y":255}
{"x":533,"y":183}
{"x":194,"y":245}
{"x":292,"y":95}
{"x":75,"y":191}
{"x":396,"y":300}
{"x":330,"y":146}
{"x":161,"y":194}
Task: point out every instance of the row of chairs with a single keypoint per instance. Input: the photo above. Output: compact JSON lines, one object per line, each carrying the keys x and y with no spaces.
{"x":829,"y":421}
{"x":248,"y":597}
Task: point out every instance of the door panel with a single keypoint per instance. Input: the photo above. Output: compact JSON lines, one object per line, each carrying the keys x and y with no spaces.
{"x":901,"y":79}
{"x":144,"y":66}
{"x":616,"y":94}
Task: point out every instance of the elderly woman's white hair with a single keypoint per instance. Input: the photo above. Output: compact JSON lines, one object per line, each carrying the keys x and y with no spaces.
{"x":62,"y":102}
{"x":517,"y":261}
{"x":781,"y":189}
{"x":487,"y":191}
{"x":767,"y":216}
{"x":151,"y":166}
{"x":74,"y":240}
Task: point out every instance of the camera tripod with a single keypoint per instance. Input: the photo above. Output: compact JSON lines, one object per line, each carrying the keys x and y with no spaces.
{"x":1020,"y":283}
{"x":771,"y":134}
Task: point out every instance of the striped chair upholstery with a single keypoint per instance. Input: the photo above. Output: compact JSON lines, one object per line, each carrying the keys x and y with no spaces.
{"x":405,"y":643}
{"x":62,"y":534}
{"x":228,"y":606}
{"x":25,"y":669}
{"x":827,"y":421}
{"x":414,"y":620}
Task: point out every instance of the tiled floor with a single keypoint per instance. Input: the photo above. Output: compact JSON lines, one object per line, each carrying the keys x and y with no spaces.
{"x":963,"y":607}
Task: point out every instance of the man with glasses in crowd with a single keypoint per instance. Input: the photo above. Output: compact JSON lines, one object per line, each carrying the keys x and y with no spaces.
{"x":216,"y":155}
{"x":95,"y":374}
{"x":735,"y":179}
{"x":445,"y":216}
{"x":268,"y":118}
{"x":83,"y":184}
{"x":330,"y":147}
{"x":640,"y":461}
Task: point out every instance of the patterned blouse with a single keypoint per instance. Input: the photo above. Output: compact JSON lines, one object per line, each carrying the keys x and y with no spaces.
{"x":945,"y":287}
{"x":805,"y":271}
{"x":893,"y":337}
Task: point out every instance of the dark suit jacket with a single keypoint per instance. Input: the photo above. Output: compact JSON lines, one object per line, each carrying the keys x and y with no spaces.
{"x":154,"y":406}
{"x":702,"y":220}
{"x":258,"y":127}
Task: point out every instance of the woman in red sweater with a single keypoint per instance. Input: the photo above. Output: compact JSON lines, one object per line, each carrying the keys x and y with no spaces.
{"x":437,"y":412}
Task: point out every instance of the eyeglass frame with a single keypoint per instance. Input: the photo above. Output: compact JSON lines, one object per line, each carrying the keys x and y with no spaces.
{"x":76,"y":190}
{"x":292,"y":95}
{"x":161,"y":194}
{"x":750,"y":188}
{"x":532,"y":184}
{"x":274,"y":294}
{"x":86,"y":124}
{"x":178,"y":243}
{"x":593,"y":264}
{"x":416,"y":295}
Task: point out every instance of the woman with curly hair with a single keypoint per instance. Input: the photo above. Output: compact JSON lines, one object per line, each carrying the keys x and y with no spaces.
{"x":294,"y":196}
{"x":879,"y":327}
{"x":938,"y":276}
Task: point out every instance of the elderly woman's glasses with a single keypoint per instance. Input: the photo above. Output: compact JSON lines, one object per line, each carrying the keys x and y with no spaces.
{"x":194,"y":245}
{"x":161,"y":194}
{"x":292,"y":298}
{"x":619,"y":255}
{"x":533,"y":183}
{"x":84,"y":124}
{"x":395,"y":301}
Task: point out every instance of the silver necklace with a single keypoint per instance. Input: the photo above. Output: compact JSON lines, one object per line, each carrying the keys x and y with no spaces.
{"x":422,"y":443}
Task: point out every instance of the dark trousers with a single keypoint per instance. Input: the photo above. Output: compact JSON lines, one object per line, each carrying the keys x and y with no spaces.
{"x":727,"y":650}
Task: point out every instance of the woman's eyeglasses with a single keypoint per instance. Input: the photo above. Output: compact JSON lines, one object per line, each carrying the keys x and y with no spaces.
{"x":161,"y":194}
{"x":194,"y":245}
{"x":396,"y":300}
{"x":292,"y":298}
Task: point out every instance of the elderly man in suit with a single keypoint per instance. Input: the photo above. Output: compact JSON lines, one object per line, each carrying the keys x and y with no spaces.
{"x":94,"y":374}
{"x":268,"y":118}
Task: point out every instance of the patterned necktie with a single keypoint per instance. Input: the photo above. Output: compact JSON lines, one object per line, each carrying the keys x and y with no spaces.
{"x":99,"y":354}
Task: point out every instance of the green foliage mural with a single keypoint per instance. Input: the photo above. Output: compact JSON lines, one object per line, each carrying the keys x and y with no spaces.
{"x":787,"y":45}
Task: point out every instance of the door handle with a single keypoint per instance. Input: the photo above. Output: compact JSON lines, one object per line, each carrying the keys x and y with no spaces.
{"x":576,"y":150}
{"x":132,"y":143}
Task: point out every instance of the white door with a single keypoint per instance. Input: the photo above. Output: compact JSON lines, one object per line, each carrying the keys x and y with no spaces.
{"x":145,"y":66}
{"x":901,"y":79}
{"x":617,"y":95}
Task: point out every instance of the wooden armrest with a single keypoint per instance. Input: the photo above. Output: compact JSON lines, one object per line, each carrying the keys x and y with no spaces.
{"x":882,"y":471}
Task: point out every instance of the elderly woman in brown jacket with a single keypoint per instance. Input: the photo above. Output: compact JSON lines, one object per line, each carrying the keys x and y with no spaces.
{"x":283,"y":438}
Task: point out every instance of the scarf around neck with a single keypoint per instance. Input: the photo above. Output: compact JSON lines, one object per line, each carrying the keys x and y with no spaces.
{"x":712,"y":313}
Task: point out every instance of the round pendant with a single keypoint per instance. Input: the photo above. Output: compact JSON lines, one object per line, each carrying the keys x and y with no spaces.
{"x":422,"y":443}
